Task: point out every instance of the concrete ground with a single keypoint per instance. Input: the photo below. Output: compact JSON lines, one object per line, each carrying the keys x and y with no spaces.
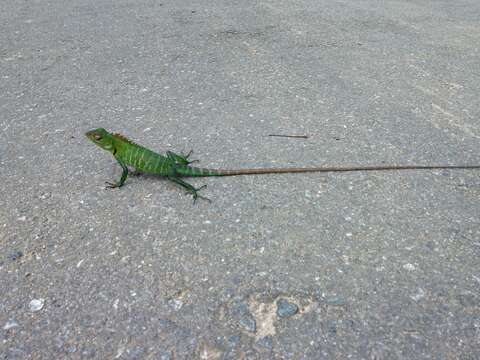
{"x":295,"y":266}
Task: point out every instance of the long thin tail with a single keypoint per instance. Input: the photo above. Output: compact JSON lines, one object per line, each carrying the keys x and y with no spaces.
{"x":198,"y":172}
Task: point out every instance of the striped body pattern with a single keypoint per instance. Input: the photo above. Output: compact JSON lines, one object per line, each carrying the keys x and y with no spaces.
{"x":144,"y":159}
{"x":150,"y":162}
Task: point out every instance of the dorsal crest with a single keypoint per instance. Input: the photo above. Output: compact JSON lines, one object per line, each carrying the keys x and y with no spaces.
{"x":125,"y":139}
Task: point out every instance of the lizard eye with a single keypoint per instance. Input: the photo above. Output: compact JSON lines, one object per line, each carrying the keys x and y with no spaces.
{"x":97,"y":137}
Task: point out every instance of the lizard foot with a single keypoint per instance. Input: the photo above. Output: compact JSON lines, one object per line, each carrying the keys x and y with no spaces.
{"x":188,"y":155}
{"x":112,"y":185}
{"x":195,"y":195}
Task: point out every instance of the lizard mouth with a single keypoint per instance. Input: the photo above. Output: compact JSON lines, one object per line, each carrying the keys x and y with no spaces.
{"x":95,"y":134}
{"x":90,"y":133}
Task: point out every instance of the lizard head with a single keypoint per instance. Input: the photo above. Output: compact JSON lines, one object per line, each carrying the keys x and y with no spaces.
{"x":102,"y":138}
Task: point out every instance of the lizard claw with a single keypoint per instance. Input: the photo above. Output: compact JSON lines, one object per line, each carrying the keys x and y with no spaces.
{"x":111,"y":185}
{"x":196,"y":196}
{"x":188,"y":155}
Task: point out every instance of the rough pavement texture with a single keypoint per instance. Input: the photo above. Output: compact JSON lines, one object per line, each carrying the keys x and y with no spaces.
{"x":380,"y":265}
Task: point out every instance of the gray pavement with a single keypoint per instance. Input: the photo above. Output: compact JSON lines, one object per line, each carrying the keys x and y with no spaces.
{"x":313,"y":266}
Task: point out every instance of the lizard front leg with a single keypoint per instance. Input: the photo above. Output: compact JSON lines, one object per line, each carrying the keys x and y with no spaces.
{"x":122,"y":178}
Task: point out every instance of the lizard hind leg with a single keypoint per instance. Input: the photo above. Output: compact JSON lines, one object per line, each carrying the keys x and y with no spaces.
{"x":181,"y":159}
{"x":190,"y":189}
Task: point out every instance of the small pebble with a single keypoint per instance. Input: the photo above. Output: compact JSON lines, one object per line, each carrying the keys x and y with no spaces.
{"x":248,"y":322}
{"x":409,"y":267}
{"x":36,"y":305}
{"x":419,"y":295}
{"x":286,"y":308}
{"x":335,"y":301}
{"x":240,"y":308}
{"x":175,"y":304}
{"x":467,"y":300}
{"x":15,"y":255}
{"x":88,"y":353}
{"x":266,"y":342}
{"x":10,"y":325}
{"x":233,"y":341}
{"x":332,"y":327}
{"x":166,"y":356}
{"x":137,"y":352}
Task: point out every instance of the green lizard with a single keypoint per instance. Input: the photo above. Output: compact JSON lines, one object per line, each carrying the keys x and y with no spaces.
{"x":174,"y":166}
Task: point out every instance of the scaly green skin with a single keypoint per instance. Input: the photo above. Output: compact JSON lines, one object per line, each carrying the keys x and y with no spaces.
{"x":128,"y":153}
{"x":174,"y":166}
